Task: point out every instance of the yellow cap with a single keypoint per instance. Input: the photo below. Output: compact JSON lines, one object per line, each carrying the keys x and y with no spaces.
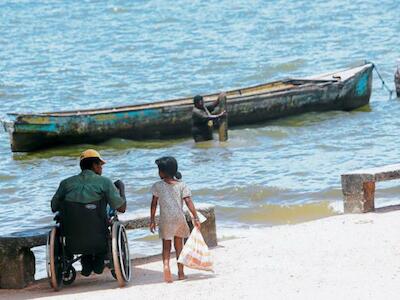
{"x":91,"y":153}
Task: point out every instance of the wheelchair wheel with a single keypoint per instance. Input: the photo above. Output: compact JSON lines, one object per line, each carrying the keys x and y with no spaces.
{"x":120,"y":254}
{"x":54,"y":259}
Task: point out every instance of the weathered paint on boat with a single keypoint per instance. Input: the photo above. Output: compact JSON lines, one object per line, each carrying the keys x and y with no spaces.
{"x":342,"y":90}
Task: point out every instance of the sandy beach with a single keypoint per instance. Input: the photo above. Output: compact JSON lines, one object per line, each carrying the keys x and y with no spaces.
{"x":340,"y":257}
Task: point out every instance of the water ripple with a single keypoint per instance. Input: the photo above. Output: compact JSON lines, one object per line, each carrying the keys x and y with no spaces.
{"x":70,"y":55}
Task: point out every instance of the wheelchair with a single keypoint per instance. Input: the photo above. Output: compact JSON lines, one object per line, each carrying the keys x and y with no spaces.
{"x":86,"y":229}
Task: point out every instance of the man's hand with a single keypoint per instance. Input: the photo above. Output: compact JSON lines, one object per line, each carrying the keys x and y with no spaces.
{"x":152,"y":226}
{"x":122,"y":208}
{"x":222,"y":114}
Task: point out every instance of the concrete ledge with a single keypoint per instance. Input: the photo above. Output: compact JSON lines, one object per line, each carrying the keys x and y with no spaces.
{"x":17,"y":261}
{"x":208,"y":228}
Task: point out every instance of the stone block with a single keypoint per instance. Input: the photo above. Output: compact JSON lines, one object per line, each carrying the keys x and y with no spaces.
{"x":17,"y":268}
{"x":209,"y":228}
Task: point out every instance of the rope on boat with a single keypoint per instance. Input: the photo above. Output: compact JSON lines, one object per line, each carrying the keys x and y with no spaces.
{"x":3,"y":124}
{"x":384,"y":85}
{"x":6,"y":125}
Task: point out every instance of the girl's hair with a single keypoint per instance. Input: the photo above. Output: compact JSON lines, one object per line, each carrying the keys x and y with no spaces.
{"x":169,"y":166}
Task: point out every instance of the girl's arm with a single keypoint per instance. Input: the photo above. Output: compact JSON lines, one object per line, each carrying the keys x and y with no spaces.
{"x":153,"y":210}
{"x":190,"y":205}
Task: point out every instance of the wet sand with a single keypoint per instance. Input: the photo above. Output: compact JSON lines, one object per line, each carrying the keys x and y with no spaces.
{"x":340,"y":257}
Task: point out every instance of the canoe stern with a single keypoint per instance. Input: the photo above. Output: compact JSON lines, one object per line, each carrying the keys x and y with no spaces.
{"x":356,"y":91}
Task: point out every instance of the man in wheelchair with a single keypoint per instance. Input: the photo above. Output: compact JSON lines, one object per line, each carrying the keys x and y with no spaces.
{"x":81,"y":202}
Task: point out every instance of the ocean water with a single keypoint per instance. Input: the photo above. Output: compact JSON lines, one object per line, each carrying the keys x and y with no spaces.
{"x":83,"y":54}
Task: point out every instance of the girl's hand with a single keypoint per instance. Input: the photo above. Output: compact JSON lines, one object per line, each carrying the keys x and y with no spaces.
{"x":197,"y":224}
{"x":152,"y":226}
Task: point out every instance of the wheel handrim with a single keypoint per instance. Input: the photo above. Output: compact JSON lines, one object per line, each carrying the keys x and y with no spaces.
{"x":119,"y":267}
{"x":124,"y":257}
{"x":48,"y":269}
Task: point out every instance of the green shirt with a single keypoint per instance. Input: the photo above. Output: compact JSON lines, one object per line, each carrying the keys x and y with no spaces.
{"x":87,"y":187}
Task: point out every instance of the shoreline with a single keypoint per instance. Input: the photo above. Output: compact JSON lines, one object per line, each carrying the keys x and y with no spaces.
{"x":343,"y":256}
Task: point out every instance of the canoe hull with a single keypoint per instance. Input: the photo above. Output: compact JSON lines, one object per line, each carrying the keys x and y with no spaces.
{"x":33,"y":132}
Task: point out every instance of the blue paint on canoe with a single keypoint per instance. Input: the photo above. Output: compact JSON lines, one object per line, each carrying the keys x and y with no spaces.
{"x":74,"y":123}
{"x":123,"y":117}
{"x":362,"y":85}
{"x":48,"y":128}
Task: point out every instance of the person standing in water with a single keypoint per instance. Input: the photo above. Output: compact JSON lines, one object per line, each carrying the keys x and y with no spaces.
{"x":203,"y":120}
{"x":170,"y":193}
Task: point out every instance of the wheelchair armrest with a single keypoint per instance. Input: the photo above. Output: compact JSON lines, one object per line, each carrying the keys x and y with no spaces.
{"x":121,"y":188}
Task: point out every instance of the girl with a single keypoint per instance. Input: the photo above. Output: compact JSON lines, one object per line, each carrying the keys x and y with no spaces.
{"x":170,"y":193}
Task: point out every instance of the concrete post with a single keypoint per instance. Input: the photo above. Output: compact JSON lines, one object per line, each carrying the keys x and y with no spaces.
{"x":359,"y":193}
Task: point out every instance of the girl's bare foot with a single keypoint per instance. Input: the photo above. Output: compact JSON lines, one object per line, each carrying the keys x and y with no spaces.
{"x":167,"y":275}
{"x":181,"y":276}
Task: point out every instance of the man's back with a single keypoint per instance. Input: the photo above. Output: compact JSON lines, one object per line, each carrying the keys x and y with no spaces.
{"x":87,"y":187}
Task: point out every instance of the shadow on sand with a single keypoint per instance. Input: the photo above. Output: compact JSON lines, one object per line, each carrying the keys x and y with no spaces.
{"x":140,"y":276}
{"x":386,"y":209}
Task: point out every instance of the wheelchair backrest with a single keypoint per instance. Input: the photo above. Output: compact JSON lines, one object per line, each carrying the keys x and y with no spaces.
{"x":84,"y":227}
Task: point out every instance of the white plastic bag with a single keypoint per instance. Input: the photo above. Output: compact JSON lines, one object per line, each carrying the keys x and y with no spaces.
{"x":195,"y":254}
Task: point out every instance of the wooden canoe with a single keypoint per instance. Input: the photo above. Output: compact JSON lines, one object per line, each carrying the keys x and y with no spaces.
{"x":345,"y":89}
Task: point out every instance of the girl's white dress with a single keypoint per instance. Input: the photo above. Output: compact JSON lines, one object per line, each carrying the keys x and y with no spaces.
{"x":172,"y":218}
